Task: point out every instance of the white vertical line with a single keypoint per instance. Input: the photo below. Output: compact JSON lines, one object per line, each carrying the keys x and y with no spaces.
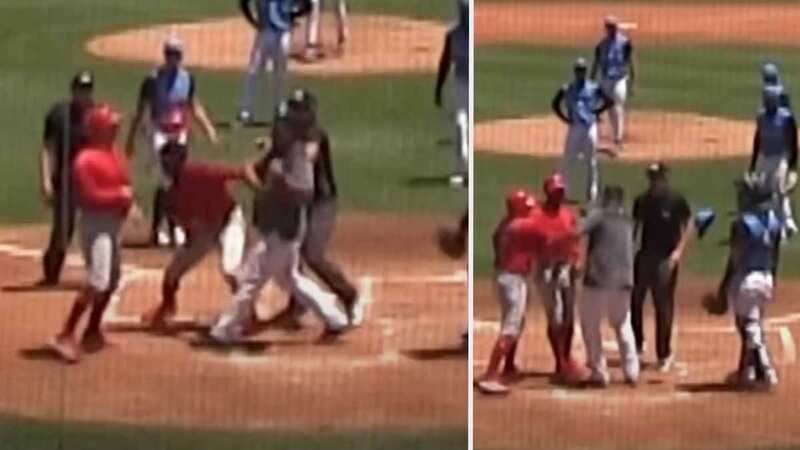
{"x":789,"y":348}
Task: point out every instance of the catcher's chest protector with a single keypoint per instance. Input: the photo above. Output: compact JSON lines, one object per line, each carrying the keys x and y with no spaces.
{"x":763,"y":231}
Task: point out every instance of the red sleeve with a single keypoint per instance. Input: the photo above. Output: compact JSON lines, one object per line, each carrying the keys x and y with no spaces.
{"x":93,"y":194}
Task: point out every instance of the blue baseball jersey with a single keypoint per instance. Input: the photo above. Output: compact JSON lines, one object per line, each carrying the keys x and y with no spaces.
{"x":757,"y":234}
{"x":772,"y":132}
{"x":277,"y":12}
{"x":614,"y":56}
{"x":166,"y":90}
{"x":582,"y":98}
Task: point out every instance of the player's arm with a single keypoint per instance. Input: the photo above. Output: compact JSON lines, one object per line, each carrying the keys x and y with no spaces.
{"x":595,"y":63}
{"x":46,"y":160}
{"x":684,"y":216}
{"x":605,"y":103}
{"x":244,"y":6}
{"x":755,"y":153}
{"x":201,"y":117}
{"x":444,"y":70}
{"x":637,"y":219}
{"x":142,"y":104}
{"x":555,"y":105}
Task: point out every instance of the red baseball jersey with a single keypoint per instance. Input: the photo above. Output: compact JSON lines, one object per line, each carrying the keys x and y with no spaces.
{"x":517,"y":243}
{"x":199,"y":197}
{"x":557,"y":228}
{"x":101,"y":178}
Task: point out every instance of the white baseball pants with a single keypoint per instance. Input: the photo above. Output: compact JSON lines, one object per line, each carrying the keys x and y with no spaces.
{"x":614,"y":304}
{"x":580,"y":155}
{"x":616,"y":90}
{"x":512,"y":292}
{"x":270,"y":52}
{"x":747,"y":298}
{"x":776,"y":168}
{"x":100,"y":245}
{"x":315,"y":19}
{"x":230,"y":241}
{"x":273,"y":256}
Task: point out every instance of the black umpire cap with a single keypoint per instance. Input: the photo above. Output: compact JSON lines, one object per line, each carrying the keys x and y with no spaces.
{"x":657,"y":170}
{"x":83,"y":79}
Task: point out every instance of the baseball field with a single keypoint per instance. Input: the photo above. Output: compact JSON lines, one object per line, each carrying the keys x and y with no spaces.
{"x":696,"y":95}
{"x":397,"y":382}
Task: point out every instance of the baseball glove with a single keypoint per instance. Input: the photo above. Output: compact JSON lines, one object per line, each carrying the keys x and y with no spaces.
{"x":451,"y":243}
{"x":714,"y":304}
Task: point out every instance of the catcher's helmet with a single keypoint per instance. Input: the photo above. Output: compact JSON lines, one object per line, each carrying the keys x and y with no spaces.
{"x":519,"y":203}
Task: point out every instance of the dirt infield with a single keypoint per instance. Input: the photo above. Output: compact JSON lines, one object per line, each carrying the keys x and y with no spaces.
{"x":416,"y":312}
{"x":689,"y":408}
{"x":378,"y":45}
{"x":650,"y":135}
{"x":580,"y":23}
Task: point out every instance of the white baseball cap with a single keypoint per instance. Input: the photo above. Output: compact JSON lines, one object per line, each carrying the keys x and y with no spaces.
{"x":173,"y":44}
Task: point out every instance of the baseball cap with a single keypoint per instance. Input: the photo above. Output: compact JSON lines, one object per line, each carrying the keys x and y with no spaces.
{"x":769,"y":72}
{"x":657,"y":169}
{"x":580,"y":63}
{"x":610,"y":20}
{"x":83,"y":79}
{"x":173,"y":44}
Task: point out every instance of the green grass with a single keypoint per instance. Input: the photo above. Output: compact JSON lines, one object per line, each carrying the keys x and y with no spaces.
{"x":384,"y":128}
{"x":703,"y":183}
{"x":26,"y":434}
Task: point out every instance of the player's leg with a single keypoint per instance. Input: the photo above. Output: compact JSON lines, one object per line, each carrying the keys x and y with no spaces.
{"x":570,"y":160}
{"x":781,"y":173}
{"x":343,"y":31}
{"x":461,"y":97}
{"x":322,"y":219}
{"x":64,"y":212}
{"x":183,"y":260}
{"x":308,"y":293}
{"x":279,"y":43}
{"x":232,"y":240}
{"x":592,"y":308}
{"x":664,"y":301}
{"x":313,"y":26}
{"x":546,"y":291}
{"x":255,"y":67}
{"x":748,"y":304}
{"x":109,"y":255}
{"x":641,"y":286}
{"x":512,"y":295}
{"x":260,"y":264}
{"x":619,"y":316}
{"x":617,"y":91}
{"x":592,"y":167}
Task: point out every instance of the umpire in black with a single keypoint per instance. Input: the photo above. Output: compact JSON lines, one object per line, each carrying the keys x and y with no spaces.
{"x":662,"y":223}
{"x":63,"y":137}
{"x":321,"y":215}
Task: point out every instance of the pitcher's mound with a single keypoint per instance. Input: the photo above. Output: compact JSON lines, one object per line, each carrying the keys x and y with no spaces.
{"x":650,"y":135}
{"x":377,"y":45}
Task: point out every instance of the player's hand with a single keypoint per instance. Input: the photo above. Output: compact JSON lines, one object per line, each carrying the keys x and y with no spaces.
{"x":212,"y":136}
{"x":674,"y":259}
{"x":791,"y":182}
{"x":47,"y":193}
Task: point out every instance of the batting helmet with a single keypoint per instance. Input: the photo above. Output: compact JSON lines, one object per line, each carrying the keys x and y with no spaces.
{"x":101,"y":124}
{"x":770,"y":73}
{"x":554,"y":186}
{"x":519,"y":203}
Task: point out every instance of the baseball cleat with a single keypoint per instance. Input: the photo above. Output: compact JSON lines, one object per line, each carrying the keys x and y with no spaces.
{"x":330,"y":336}
{"x":356,"y":311}
{"x":157,"y":319}
{"x":599,"y":380}
{"x":492,"y":387}
{"x":665,"y":364}
{"x":66,"y":348}
{"x":770,"y":378}
{"x":223,"y":336}
{"x":312,"y":54}
{"x":244,"y":117}
{"x":94,"y":342}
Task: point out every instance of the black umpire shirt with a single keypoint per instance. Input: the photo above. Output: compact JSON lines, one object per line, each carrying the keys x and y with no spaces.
{"x":662,"y":218}
{"x":63,"y":129}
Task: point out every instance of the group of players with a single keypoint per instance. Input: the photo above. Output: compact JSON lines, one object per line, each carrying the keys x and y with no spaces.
{"x":543,"y":243}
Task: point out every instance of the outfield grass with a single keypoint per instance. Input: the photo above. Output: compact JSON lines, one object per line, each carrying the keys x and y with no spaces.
{"x":714,"y":81}
{"x":25,"y":434}
{"x":384,"y":128}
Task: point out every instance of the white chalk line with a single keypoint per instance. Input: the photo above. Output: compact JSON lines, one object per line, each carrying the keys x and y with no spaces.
{"x":133,"y":272}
